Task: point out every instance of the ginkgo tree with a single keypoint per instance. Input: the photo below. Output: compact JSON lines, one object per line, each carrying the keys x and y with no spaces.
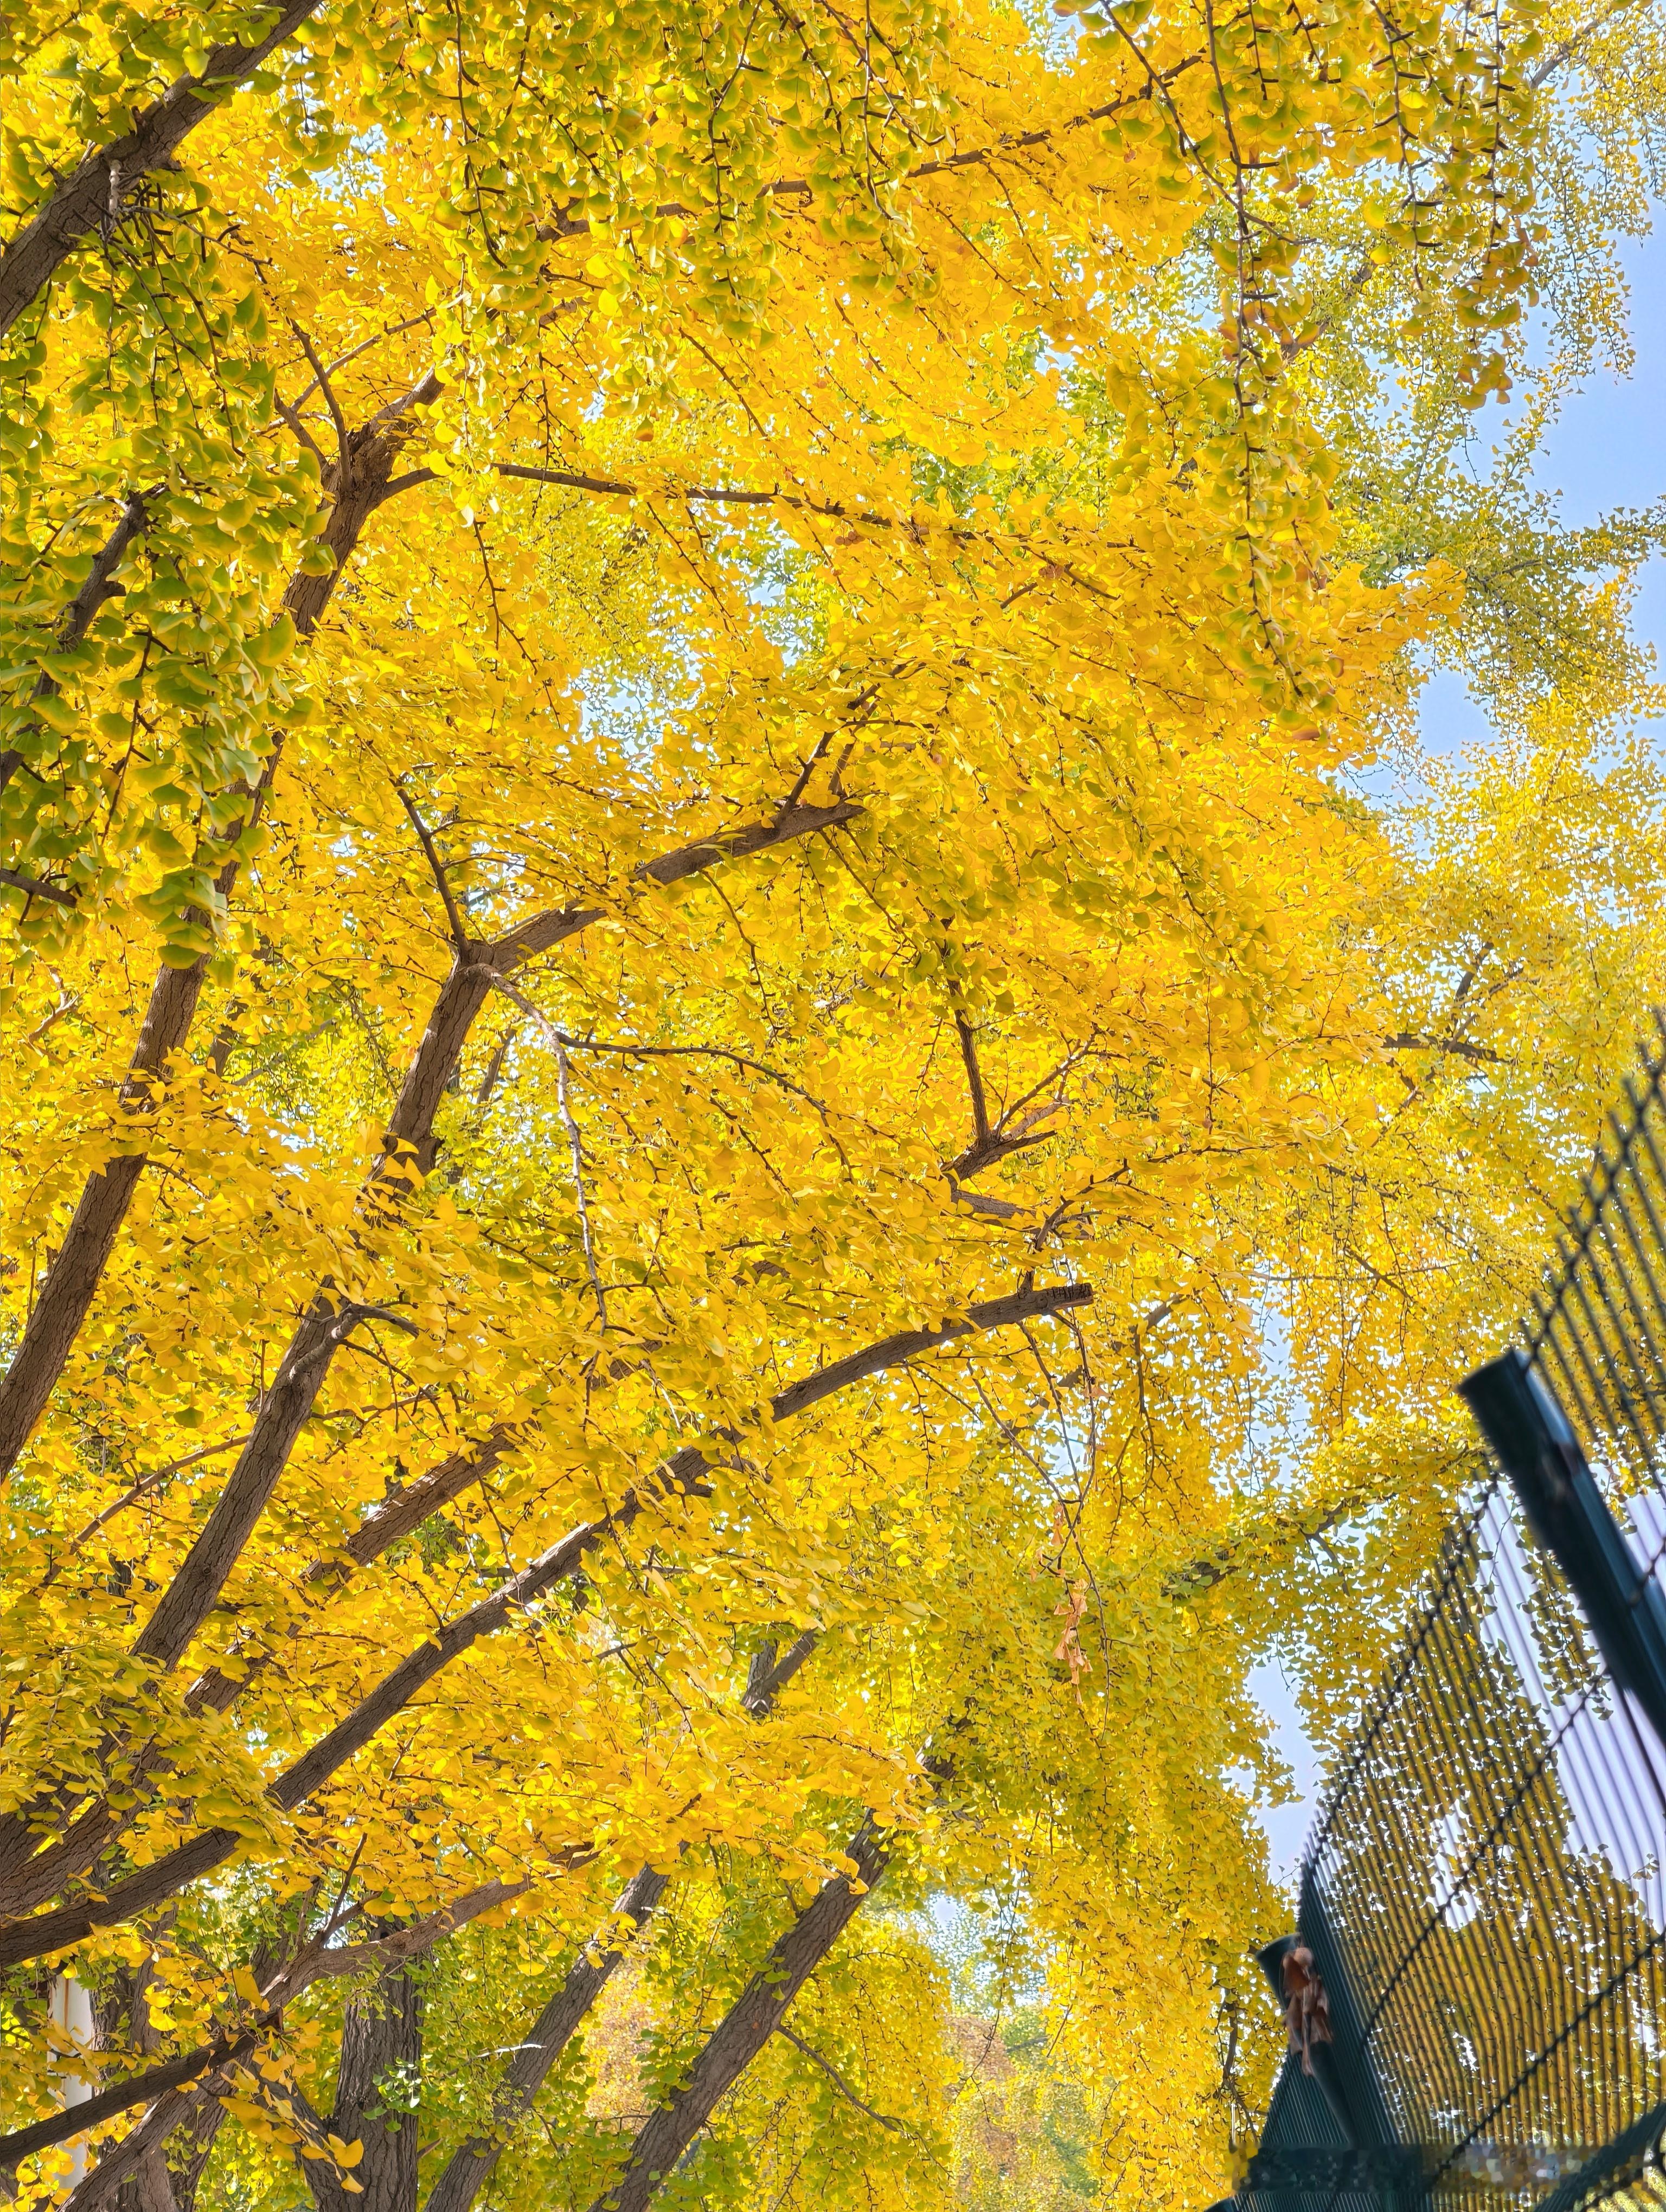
{"x":683,"y":940}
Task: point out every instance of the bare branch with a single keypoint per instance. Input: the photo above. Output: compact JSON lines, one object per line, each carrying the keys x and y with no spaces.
{"x":835,"y":2078}
{"x":460,"y":935}
{"x":1460,"y":1048}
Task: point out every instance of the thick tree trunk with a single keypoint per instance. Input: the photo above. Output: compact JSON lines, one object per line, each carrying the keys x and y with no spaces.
{"x":380,"y":2064}
{"x":157,"y":2185}
{"x":752,"y":2020}
{"x":185,"y":2089}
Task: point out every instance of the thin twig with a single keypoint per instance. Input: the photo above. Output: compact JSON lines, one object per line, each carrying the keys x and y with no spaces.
{"x":1570,"y":46}
{"x":576,"y":1146}
{"x":321,"y":377}
{"x":558,"y":1043}
{"x":392,"y":331}
{"x":561,"y":1040}
{"x":141,"y":1488}
{"x":839,"y":2081}
{"x":458,"y":935}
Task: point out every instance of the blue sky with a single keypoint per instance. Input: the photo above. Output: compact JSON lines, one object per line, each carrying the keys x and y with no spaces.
{"x":1608,"y":450}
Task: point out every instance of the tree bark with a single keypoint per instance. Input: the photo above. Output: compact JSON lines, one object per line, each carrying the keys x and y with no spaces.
{"x":77,"y":618}
{"x":30,"y":1874}
{"x":387,"y":2032}
{"x":382,"y":2048}
{"x":470,"y":2165}
{"x":751,"y":2021}
{"x":94,"y":194}
{"x":189,"y":1597}
{"x":404,"y":1512}
{"x":466,"y":989}
{"x":73,"y":1277}
{"x":144,"y":2176}
{"x":186,"y":1602}
{"x":168,"y":2084}
{"x":138,"y":2089}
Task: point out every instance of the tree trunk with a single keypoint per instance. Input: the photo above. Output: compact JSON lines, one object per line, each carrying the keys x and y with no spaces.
{"x":96,"y":191}
{"x":470,"y":2167}
{"x":751,"y":2021}
{"x":376,"y":2080}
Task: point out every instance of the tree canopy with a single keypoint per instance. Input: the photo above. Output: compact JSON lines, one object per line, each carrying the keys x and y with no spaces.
{"x":737,"y":1141}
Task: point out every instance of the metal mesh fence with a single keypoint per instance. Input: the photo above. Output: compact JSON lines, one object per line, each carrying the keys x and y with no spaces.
{"x":1488,"y":1872}
{"x":1485,"y":1892}
{"x":1598,"y":1324}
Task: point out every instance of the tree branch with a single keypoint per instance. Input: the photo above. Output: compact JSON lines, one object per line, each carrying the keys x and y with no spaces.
{"x":1570,"y":46}
{"x":93,"y":195}
{"x":35,"y":886}
{"x":470,"y":2165}
{"x":1461,"y":1048}
{"x":284,"y":1410}
{"x":95,"y":589}
{"x":973,"y":1078}
{"x":66,"y":1296}
{"x":688,"y":1473}
{"x":460,"y":936}
{"x":769,"y":1676}
{"x":755,"y":2016}
{"x":315,"y":1961}
{"x":836,"y":2077}
{"x":1015,"y":141}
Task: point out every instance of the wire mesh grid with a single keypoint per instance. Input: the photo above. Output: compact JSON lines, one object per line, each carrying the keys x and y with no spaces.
{"x":1598,"y":1324}
{"x":1488,"y":1872}
{"x":1487,"y":1875}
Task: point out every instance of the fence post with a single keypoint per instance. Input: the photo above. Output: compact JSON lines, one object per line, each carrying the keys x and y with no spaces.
{"x":1530,"y":1436}
{"x":1375,"y":2169}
